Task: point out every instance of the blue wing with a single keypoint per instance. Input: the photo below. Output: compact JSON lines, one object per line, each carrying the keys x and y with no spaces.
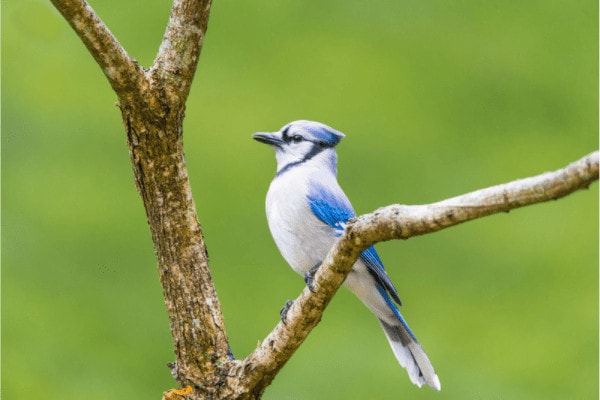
{"x":375,"y":266}
{"x":335,"y":211}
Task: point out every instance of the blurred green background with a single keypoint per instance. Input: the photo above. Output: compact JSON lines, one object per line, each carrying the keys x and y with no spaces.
{"x":437,"y":98}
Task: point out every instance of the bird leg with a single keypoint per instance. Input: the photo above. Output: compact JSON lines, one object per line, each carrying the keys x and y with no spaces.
{"x":310,"y":276}
{"x":284,"y":311}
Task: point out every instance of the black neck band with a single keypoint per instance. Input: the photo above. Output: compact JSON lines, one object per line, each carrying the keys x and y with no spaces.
{"x":316,"y":149}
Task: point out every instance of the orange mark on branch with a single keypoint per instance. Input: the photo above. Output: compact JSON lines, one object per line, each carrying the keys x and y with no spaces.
{"x":177,"y":394}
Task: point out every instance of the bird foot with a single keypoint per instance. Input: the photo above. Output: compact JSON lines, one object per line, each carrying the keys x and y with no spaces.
{"x":309,"y":277}
{"x":284,"y":311}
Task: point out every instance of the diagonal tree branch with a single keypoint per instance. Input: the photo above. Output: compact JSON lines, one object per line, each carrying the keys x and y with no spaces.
{"x":122,"y":71}
{"x":403,"y":222}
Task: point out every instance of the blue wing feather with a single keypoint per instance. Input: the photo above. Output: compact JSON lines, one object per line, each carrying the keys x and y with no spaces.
{"x":375,"y":266}
{"x":335,"y":211}
{"x":396,"y":312}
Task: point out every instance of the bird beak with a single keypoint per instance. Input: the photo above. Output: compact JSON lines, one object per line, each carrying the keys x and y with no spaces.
{"x":268,"y":138}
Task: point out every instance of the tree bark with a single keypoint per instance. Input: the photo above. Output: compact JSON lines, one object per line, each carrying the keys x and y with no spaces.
{"x":152,"y":103}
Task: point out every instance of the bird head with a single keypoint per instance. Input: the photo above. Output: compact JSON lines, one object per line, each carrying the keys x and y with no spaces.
{"x":301,"y":141}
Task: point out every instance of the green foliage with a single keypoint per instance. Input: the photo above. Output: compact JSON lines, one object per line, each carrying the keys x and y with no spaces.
{"x":437,"y":98}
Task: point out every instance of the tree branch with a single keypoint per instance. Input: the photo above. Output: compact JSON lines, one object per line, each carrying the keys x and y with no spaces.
{"x":402,"y":222}
{"x":122,"y":71}
{"x":175,"y":64}
{"x":152,"y":104}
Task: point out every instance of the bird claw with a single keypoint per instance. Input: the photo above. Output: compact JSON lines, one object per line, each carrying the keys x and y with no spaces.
{"x":309,"y":277}
{"x":284,"y":311}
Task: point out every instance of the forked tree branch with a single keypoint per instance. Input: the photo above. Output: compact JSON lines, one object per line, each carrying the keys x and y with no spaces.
{"x":152,"y":102}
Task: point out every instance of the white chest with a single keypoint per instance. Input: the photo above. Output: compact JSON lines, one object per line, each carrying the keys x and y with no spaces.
{"x":301,"y":237}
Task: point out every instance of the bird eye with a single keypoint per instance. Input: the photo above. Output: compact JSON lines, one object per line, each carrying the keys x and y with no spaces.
{"x":297,"y":138}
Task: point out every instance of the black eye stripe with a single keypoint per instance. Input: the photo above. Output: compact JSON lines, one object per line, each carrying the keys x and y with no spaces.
{"x":296,"y":138}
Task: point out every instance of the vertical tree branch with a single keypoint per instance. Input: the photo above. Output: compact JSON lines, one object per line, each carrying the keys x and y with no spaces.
{"x":155,"y":140}
{"x":177,"y":58}
{"x":152,"y":104}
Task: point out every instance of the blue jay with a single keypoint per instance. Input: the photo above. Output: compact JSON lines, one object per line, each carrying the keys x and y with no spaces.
{"x":307,"y":211}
